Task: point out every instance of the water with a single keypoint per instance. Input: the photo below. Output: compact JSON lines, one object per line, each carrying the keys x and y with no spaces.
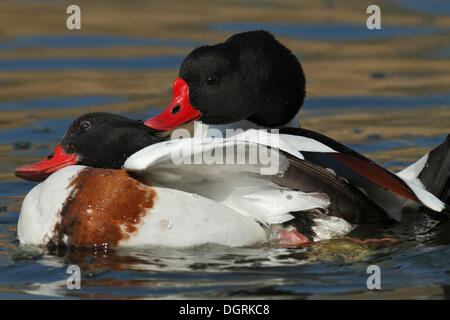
{"x":128,"y":63}
{"x":379,"y":92}
{"x":90,"y":41}
{"x":361,"y":103}
{"x":435,"y":7}
{"x":60,"y":102}
{"x":443,"y":53}
{"x":329,"y":32}
{"x":379,"y":144}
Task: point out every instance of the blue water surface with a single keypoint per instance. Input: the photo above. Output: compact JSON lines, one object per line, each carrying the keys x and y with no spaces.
{"x":59,"y":102}
{"x":116,"y":64}
{"x":436,"y":7}
{"x":71,"y":40}
{"x":329,"y":31}
{"x":417,"y":266}
{"x":365,"y":102}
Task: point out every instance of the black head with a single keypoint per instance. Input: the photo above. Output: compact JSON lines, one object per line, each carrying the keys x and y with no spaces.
{"x":101,"y":140}
{"x":249,"y":76}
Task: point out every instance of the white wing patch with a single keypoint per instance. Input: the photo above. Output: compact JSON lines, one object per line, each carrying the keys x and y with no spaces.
{"x":412,"y":172}
{"x":241,"y":187}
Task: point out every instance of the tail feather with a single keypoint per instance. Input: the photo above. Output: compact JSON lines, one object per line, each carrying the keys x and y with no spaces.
{"x":435,"y":175}
{"x":432,"y":171}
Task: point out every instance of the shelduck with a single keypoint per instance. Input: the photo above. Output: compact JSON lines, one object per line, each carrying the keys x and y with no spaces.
{"x":116,"y":181}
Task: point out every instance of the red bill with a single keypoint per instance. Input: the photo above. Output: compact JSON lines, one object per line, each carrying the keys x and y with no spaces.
{"x":39,"y":171}
{"x":179,"y":112}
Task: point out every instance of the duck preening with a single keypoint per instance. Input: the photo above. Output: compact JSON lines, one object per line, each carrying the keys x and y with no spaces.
{"x":116,"y":181}
{"x":157,"y":200}
{"x":249,"y":77}
{"x":253,"y":81}
{"x":154,"y":200}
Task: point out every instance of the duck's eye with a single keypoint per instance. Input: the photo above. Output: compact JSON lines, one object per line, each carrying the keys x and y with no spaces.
{"x":85,"y":124}
{"x":211,"y":80}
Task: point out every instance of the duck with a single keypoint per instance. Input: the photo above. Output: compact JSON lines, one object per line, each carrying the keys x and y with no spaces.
{"x":320,"y":189}
{"x":252,"y":81}
{"x":80,"y":145}
{"x":85,"y":198}
{"x":96,"y":190}
{"x":249,"y":81}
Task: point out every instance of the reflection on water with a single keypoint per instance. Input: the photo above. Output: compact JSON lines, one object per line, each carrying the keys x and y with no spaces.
{"x":443,"y":53}
{"x":438,"y":7}
{"x":34,"y":134}
{"x":329,"y":32}
{"x":407,"y":141}
{"x":128,"y":63}
{"x":89,"y":41}
{"x":201,"y":271}
{"x":362,"y":103}
{"x":63,"y":102}
{"x":381,"y":92}
{"x":332,"y":267}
